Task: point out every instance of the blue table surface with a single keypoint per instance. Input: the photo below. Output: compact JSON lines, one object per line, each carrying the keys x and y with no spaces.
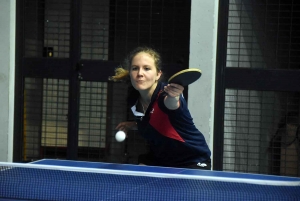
{"x":166,"y":170}
{"x":80,"y":183}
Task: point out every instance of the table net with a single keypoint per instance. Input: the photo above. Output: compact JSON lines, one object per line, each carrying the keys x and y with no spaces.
{"x":43,"y":182}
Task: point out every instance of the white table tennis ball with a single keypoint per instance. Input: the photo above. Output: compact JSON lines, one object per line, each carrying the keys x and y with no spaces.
{"x":120,"y":136}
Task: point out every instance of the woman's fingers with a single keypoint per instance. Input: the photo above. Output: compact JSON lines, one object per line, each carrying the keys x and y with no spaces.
{"x":174,"y":90}
{"x":125,"y":126}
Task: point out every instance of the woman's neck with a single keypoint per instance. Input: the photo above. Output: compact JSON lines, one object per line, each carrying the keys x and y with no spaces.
{"x":146,"y":95}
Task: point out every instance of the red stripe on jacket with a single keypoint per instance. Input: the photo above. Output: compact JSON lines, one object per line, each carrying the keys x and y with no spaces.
{"x":161,"y":122}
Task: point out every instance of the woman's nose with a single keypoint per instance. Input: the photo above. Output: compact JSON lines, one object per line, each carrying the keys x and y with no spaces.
{"x":140,"y":72}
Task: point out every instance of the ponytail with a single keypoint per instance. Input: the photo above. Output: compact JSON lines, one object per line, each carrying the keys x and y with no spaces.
{"x":120,"y":75}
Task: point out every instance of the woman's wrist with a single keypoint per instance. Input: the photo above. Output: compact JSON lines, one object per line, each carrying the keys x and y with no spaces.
{"x":171,"y":102}
{"x":134,"y":125}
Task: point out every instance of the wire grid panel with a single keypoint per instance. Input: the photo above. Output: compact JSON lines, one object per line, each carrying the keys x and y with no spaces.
{"x":164,"y":25}
{"x":55,"y":113}
{"x":92,"y":118}
{"x":47,"y":28}
{"x":110,"y":29}
{"x":33,"y":93}
{"x":57,"y":27}
{"x":263,"y":34}
{"x":251,"y":123}
{"x":101,"y":109}
{"x":45,"y":116}
{"x":95,"y":29}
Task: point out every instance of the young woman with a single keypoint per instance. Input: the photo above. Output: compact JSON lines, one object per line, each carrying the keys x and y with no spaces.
{"x":162,"y":116}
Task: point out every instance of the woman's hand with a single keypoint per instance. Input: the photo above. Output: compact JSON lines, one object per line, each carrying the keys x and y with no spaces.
{"x":172,"y":99}
{"x":126,"y":126}
{"x":174,"y":90}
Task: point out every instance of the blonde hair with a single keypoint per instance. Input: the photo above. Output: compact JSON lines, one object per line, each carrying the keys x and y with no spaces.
{"x":121,"y":74}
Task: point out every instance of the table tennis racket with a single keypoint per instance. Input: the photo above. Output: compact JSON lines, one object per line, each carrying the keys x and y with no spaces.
{"x":185,"y":77}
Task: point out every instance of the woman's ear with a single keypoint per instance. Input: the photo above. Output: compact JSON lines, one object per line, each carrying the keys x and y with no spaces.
{"x":159,"y":74}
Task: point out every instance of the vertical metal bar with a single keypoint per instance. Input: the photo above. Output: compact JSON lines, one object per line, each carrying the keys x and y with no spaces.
{"x":75,"y":50}
{"x":19,"y":84}
{"x":220,"y":89}
{"x":112,"y":29}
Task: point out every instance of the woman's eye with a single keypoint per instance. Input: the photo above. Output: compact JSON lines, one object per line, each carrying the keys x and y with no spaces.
{"x":134,"y":68}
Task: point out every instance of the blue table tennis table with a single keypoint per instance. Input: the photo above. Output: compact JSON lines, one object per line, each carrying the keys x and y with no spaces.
{"x":77,"y":180}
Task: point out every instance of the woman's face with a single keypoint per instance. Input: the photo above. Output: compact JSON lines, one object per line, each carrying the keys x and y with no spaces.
{"x":143,"y":72}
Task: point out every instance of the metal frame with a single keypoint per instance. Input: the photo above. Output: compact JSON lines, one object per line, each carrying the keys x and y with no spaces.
{"x":241,"y":78}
